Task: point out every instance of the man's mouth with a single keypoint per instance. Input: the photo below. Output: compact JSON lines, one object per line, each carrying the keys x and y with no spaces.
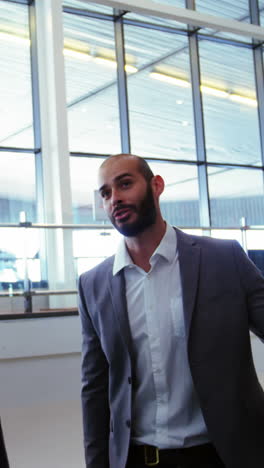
{"x":122,"y":214}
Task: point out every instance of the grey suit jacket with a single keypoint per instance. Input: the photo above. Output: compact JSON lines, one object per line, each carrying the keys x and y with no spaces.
{"x":3,"y":455}
{"x":223,"y":297}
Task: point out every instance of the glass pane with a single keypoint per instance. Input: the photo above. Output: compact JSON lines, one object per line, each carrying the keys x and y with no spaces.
{"x":90,"y":66}
{"x":227,"y":234}
{"x":93,"y":246}
{"x":84,"y":173}
{"x":160,"y":98}
{"x":179,"y":201}
{"x":261,"y":11}
{"x":175,"y":3}
{"x":160,"y":21}
{"x":83,"y":5}
{"x":15,"y":77}
{"x":255,"y":239}
{"x":236,"y":193}
{"x":19,"y":257}
{"x":238,"y":10}
{"x":17,"y":187}
{"x":227,"y":9}
{"x":255,"y":246}
{"x":229,"y":102}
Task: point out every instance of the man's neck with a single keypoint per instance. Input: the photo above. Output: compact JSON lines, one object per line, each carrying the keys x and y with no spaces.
{"x":142,"y":246}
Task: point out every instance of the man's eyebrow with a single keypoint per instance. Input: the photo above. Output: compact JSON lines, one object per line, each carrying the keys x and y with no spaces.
{"x":125,"y":174}
{"x":116,"y":179}
{"x":102,"y":188}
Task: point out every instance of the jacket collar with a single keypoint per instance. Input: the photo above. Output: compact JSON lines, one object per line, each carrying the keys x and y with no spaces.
{"x":189,"y":258}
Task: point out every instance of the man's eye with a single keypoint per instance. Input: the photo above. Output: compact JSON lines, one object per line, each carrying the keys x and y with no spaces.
{"x":105,"y":194}
{"x":126,"y":183}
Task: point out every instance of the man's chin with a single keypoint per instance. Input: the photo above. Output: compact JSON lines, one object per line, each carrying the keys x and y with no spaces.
{"x":130,"y":229}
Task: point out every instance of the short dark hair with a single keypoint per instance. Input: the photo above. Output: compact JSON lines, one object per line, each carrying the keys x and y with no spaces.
{"x":143,"y":166}
{"x":144,"y":169}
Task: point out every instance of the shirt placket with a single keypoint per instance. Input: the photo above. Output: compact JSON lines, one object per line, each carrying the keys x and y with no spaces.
{"x":152,"y":320}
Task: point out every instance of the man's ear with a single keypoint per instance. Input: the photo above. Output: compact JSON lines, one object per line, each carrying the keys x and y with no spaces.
{"x":158,"y":185}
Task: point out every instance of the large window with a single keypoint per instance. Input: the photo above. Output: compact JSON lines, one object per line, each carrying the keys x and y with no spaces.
{"x":15,"y":78}
{"x":234,"y":194}
{"x":17,"y":187}
{"x":230,"y":104}
{"x":188,"y":97}
{"x":90,"y":66}
{"x":159,"y":95}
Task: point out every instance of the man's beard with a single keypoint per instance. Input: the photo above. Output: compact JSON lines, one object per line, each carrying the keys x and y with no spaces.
{"x":146,"y":212}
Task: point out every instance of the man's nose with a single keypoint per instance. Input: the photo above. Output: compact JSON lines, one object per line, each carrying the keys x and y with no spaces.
{"x":116,"y":197}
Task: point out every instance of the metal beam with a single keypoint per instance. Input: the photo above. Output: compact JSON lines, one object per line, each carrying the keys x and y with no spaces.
{"x":183,"y":15}
{"x":122,"y":85}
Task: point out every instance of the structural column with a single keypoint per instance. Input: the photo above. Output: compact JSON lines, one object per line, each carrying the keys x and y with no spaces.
{"x":55,"y":151}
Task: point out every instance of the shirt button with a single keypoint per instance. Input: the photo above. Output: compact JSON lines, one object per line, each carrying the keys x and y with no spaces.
{"x":128,"y":423}
{"x":129,"y":380}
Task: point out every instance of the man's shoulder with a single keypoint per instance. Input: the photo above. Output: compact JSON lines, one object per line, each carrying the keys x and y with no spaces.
{"x":203,"y":241}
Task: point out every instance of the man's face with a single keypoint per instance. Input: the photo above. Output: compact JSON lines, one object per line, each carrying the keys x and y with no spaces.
{"x":127,"y":197}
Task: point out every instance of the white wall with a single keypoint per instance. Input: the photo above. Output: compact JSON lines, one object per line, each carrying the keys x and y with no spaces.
{"x":40,"y":388}
{"x":40,"y":392}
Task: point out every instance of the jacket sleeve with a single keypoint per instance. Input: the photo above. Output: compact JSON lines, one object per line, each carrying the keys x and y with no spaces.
{"x":94,"y":394}
{"x":253,"y":284}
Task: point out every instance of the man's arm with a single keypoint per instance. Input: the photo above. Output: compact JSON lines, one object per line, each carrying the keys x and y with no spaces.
{"x":253,"y":284}
{"x":95,"y":407}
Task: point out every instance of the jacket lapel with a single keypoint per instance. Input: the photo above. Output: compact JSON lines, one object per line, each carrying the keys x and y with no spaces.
{"x":189,"y":259}
{"x":117,"y":289}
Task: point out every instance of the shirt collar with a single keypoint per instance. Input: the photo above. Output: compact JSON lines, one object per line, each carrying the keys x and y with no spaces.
{"x":166,"y":249}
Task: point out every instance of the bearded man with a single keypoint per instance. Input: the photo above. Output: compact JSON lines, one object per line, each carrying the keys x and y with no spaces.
{"x":168,"y":378}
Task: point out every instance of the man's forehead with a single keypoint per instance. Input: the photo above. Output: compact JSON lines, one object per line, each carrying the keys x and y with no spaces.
{"x":114,"y":169}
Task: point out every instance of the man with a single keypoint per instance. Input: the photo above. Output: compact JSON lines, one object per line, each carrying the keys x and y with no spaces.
{"x":168,"y":376}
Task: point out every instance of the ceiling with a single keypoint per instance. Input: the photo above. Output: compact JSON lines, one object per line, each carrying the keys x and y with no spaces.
{"x":161,"y":114}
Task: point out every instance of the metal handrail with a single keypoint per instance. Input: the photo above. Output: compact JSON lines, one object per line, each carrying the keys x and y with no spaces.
{"x":30,"y":225}
{"x":35,"y":292}
{"x":29,"y":293}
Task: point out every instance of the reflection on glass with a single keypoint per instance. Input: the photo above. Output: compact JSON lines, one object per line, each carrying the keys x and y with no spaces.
{"x":17,"y":187}
{"x":15,"y":79}
{"x":90,"y":67}
{"x":160,"y":97}
{"x":234,"y":194}
{"x":229,"y":102}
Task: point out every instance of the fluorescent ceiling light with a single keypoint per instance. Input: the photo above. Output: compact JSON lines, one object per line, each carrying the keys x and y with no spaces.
{"x":243,"y":100}
{"x":170,"y":79}
{"x":105,"y":61}
{"x":130,"y":68}
{"x":112,"y":63}
{"x":14,"y":38}
{"x":214,"y":91}
{"x":84,"y":56}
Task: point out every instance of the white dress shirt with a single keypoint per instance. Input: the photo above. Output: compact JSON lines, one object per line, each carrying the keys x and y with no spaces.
{"x":165,"y":409}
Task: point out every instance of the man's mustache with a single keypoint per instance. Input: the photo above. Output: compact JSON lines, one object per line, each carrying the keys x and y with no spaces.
{"x":123,"y":207}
